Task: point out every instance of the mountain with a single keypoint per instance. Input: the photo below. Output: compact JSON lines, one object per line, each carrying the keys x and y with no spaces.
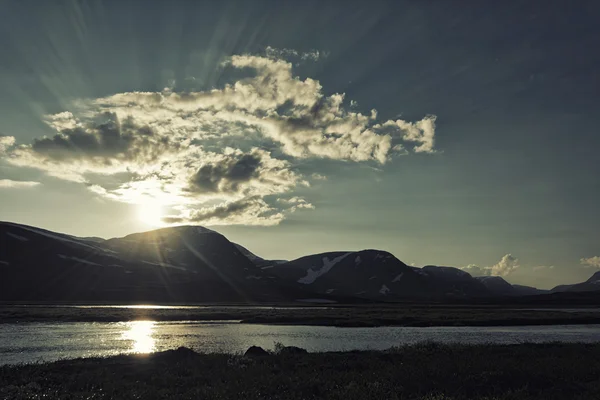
{"x":376,"y":274}
{"x":497,"y":285}
{"x":367,"y":274}
{"x":256,"y":260}
{"x":180,"y":264}
{"x":192,"y":264}
{"x":521,"y":290}
{"x":591,"y":285}
{"x":453,"y":282}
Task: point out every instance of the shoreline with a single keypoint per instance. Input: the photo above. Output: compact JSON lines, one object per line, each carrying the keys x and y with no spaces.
{"x":340,"y":316}
{"x":425,"y":371}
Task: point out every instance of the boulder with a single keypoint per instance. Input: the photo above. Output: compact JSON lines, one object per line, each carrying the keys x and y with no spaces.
{"x":255,"y":351}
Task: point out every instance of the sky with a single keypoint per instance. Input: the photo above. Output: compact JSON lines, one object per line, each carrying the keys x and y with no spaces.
{"x":445,"y":132}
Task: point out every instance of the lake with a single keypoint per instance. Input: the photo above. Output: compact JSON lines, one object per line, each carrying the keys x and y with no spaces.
{"x":37,"y":342}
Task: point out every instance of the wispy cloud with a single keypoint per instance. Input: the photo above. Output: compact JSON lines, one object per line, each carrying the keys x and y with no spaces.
{"x":216,"y":156}
{"x":543,"y":268}
{"x":9,"y":183}
{"x":292,"y":55}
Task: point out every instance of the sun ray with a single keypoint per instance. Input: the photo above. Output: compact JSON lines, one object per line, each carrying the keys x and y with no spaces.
{"x":151,"y":213}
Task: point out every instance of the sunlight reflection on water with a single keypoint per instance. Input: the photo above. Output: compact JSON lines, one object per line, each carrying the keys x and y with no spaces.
{"x":50,"y":341}
{"x":140,"y":333}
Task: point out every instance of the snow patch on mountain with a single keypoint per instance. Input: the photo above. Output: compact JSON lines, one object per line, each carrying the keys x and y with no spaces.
{"x":384,"y":289}
{"x":373,"y":277}
{"x":312,"y":275}
{"x":357,"y":260}
{"x":398,"y":277}
{"x":79,"y":260}
{"x":165,"y":265}
{"x":15,"y":236}
{"x":4,"y":262}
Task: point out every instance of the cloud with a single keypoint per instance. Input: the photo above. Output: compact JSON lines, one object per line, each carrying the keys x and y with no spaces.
{"x":421,"y":132}
{"x":504,"y":267}
{"x":216,"y":156}
{"x":297,"y":203}
{"x":103,"y":144}
{"x":291,"y":54}
{"x":5,"y":143}
{"x":252,"y":173}
{"x":9,"y":183}
{"x":250,"y":211}
{"x":543,"y":267}
{"x":591,"y":262}
{"x":474,"y":270}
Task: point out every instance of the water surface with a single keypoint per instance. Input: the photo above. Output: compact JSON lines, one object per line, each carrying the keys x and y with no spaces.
{"x":33,"y":342}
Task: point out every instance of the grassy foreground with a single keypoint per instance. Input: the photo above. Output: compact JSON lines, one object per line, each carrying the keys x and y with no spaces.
{"x":425,"y":371}
{"x":339,"y":315}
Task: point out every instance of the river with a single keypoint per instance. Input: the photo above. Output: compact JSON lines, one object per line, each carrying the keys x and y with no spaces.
{"x":43,"y":342}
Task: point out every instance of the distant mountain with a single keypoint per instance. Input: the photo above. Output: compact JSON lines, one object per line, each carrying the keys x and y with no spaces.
{"x":591,"y":285}
{"x":376,"y":274}
{"x":521,"y":290}
{"x":180,"y":264}
{"x":454,"y":282}
{"x":497,"y":285}
{"x":256,"y":260}
{"x":188,"y":264}
{"x":372,"y":274}
{"x":367,"y":274}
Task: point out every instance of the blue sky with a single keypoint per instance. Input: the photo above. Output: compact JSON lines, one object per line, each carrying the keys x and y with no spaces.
{"x":255,"y":118}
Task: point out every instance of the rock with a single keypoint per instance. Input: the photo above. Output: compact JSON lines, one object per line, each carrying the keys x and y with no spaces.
{"x":177,"y":354}
{"x":255,"y":351}
{"x":290,"y":350}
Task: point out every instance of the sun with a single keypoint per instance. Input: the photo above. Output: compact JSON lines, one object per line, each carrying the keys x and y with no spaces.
{"x":150,"y":213}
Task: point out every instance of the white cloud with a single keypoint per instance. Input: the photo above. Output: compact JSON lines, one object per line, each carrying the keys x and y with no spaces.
{"x":504,"y":267}
{"x":9,"y":183}
{"x":5,"y":143}
{"x":175,"y":148}
{"x":591,"y":262}
{"x":297,"y":203}
{"x":474,"y":270}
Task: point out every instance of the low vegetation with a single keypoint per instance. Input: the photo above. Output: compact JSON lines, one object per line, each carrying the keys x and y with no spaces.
{"x":365,"y":315}
{"x":424,"y":371}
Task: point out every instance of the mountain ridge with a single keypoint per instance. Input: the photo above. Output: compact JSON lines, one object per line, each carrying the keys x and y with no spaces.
{"x":197,"y":264}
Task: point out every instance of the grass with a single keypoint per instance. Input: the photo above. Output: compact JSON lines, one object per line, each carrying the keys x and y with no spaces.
{"x":425,"y":371}
{"x":366,"y":315}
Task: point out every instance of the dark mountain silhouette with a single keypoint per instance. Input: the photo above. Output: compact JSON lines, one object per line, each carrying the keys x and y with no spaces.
{"x":181,"y":264}
{"x":367,"y":274}
{"x":195,"y":264}
{"x":592,"y":284}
